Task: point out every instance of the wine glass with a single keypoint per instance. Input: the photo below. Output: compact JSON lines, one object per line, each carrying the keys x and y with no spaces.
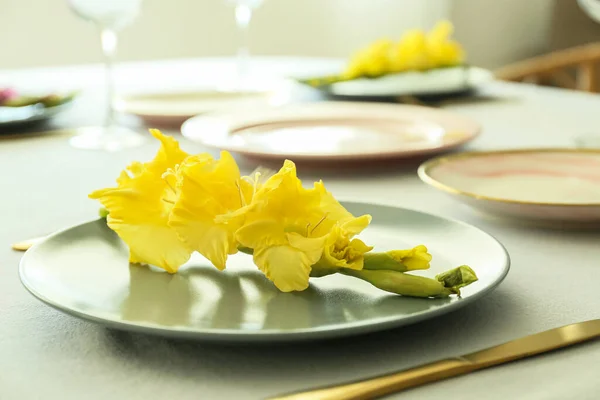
{"x":110,"y":16}
{"x":243,"y":15}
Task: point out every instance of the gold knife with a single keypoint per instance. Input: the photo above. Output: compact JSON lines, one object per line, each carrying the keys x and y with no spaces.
{"x":520,"y":348}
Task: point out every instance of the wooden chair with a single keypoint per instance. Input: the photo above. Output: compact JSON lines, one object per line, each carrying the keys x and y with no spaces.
{"x":574,"y":68}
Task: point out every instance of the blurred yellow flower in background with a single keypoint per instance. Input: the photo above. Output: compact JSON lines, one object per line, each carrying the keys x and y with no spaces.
{"x":139,"y":208}
{"x":442,"y":50}
{"x":415,"y":51}
{"x":410,"y":53}
{"x":372,"y":61}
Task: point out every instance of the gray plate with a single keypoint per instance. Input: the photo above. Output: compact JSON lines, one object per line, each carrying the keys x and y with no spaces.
{"x":84,"y":271}
{"x":441,"y":81}
{"x":11,"y":117}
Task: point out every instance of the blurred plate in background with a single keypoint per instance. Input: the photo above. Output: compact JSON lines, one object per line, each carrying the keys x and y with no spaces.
{"x":17,"y":117}
{"x":172,"y":109}
{"x":559,"y":187}
{"x":333,"y":131}
{"x":440,"y":81}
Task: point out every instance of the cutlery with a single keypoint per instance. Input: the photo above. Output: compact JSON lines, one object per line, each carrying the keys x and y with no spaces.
{"x":24,"y":245}
{"x":511,"y":351}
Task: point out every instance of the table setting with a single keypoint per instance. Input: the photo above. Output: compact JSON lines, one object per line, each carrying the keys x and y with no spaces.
{"x":296,"y":228}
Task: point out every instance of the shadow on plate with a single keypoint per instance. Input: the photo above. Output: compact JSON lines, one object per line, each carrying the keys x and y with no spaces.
{"x":245,"y":300}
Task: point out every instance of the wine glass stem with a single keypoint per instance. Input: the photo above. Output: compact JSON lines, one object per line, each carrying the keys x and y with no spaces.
{"x":243,"y":16}
{"x":108,"y":39}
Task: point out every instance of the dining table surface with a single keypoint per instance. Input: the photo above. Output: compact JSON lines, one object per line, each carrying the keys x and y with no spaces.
{"x":553,"y":281}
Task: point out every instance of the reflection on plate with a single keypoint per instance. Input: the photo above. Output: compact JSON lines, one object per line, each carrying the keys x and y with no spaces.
{"x":333,"y":131}
{"x":173,"y":109}
{"x":552,"y":185}
{"x":240,"y":304}
{"x":441,"y":81}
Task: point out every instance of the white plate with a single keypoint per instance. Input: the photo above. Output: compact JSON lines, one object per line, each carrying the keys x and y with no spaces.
{"x":84,"y":272}
{"x":443,"y":81}
{"x":173,"y":108}
{"x":551,"y":186}
{"x":333,"y":131}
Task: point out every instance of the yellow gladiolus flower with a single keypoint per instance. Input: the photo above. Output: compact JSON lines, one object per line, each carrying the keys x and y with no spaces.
{"x":442,"y":50}
{"x":212,"y":201}
{"x":139,"y":208}
{"x":413,"y":259}
{"x":415,"y":51}
{"x":290,"y":228}
{"x":441,"y":32}
{"x":176,"y":204}
{"x":411,"y":52}
{"x":341,"y":251}
{"x":372,"y":61}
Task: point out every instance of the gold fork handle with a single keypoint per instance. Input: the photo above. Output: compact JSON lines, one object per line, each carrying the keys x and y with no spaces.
{"x":25,"y":244}
{"x":380,"y":386}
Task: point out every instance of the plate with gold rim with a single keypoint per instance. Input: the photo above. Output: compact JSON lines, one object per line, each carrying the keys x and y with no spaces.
{"x":333,"y":131}
{"x":84,"y":271}
{"x":559,"y":187}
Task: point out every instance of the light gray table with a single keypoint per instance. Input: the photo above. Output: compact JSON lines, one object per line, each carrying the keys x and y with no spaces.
{"x":554,"y":278}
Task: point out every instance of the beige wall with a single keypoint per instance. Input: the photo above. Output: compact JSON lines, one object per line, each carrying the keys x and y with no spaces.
{"x":45,"y":32}
{"x":500,"y":32}
{"x":571,"y":26}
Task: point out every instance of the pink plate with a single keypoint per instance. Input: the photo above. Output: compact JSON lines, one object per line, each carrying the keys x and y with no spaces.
{"x":551,"y":186}
{"x":333,"y":131}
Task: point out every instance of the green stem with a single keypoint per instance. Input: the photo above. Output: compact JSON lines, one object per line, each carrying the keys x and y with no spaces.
{"x":382,"y":261}
{"x":413,"y":259}
{"x":401,"y":283}
{"x":103,"y":212}
{"x":444,"y":285}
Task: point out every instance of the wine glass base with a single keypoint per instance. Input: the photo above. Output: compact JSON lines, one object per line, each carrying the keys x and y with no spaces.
{"x":113,"y":138}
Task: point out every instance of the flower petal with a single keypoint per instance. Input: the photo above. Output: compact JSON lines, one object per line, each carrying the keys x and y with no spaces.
{"x":286,"y":267}
{"x":356,"y":225}
{"x":414,"y":259}
{"x":215,"y":181}
{"x":138,"y":209}
{"x":211,"y":240}
{"x":262,"y":233}
{"x":168,"y":156}
{"x":153,"y":245}
{"x":312,"y":247}
{"x":137,"y":215}
{"x":207,"y":211}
